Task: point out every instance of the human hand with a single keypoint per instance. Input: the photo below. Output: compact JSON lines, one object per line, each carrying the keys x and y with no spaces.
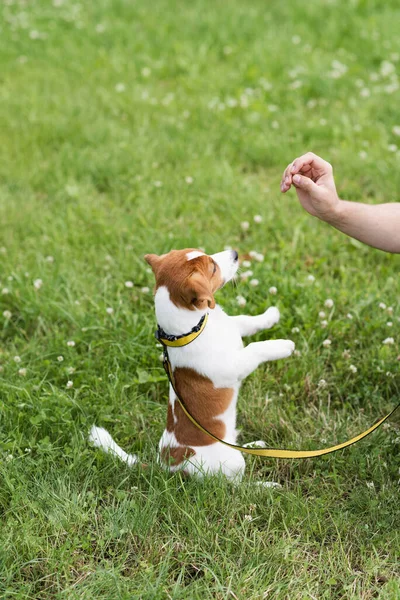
{"x":315,"y":186}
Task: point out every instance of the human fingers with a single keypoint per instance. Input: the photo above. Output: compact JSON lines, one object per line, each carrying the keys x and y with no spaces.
{"x":306,"y":184}
{"x":286,"y":180}
{"x":308,"y":162}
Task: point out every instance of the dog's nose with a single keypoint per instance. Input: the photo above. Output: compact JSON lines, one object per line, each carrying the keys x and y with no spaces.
{"x":235,"y":255}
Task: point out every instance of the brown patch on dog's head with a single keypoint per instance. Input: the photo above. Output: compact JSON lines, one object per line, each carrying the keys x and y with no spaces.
{"x":191,"y":283}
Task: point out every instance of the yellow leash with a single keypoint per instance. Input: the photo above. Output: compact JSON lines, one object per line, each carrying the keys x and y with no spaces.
{"x":183,"y":340}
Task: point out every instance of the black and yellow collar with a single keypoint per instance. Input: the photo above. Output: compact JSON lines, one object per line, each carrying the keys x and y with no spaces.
{"x":178,"y":341}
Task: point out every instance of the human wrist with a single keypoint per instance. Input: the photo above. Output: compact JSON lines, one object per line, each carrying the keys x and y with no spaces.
{"x":337,"y":214}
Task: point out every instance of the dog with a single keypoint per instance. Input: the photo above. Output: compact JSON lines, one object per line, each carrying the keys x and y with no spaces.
{"x":208,"y":371}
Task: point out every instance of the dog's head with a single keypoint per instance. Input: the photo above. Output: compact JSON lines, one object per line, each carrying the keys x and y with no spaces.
{"x":192,"y":277}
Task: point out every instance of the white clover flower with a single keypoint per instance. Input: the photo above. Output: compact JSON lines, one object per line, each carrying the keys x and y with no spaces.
{"x":365,"y":93}
{"x":311,"y":278}
{"x":296,"y":39}
{"x":34,"y":35}
{"x":323,"y":122}
{"x":259,"y":257}
{"x":349,"y":316}
{"x":22,"y":372}
{"x":71,"y":343}
{"x":392,"y":148}
{"x":396,"y":130}
{"x":387,"y":68}
{"x":3,"y":250}
{"x":248,"y":518}
{"x":157,"y":184}
{"x":245,"y":263}
{"x":245,"y":225}
{"x":370,"y":485}
{"x":346,"y":354}
{"x":129,"y":284}
{"x":245,"y":275}
{"x":324,"y":324}
{"x":145,"y":290}
{"x":328,"y":303}
{"x":17,"y":359}
{"x":388,"y":341}
{"x":109,"y":310}
{"x":326,"y":343}
{"x":5,"y":291}
{"x":49,"y":259}
{"x":363,"y":155}
{"x":273,"y":290}
{"x":241,"y":300}
{"x":257,"y":219}
{"x":321,"y":314}
{"x":254,"y":282}
{"x":37,"y":284}
{"x":382,"y":305}
{"x":389,"y":324}
{"x":146,"y":72}
{"x":353,"y":369}
{"x":295,"y":330}
{"x":322,"y":383}
{"x":189,"y":180}
{"x":69,"y":384}
{"x":60,"y":358}
{"x":7,"y":314}
{"x":100,"y":28}
{"x":71,"y":370}
{"x":390,"y":310}
{"x":297,"y":353}
{"x":275,"y":125}
{"x":9,"y":457}
{"x":253,"y":253}
{"x":120,"y":87}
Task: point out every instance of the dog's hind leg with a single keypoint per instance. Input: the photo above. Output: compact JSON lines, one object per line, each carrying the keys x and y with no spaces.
{"x":100,"y":438}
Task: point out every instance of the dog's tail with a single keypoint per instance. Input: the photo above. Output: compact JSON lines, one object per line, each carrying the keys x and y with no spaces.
{"x":100,"y":438}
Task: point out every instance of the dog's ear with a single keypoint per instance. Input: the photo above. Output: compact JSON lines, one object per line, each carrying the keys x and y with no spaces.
{"x":153,"y":260}
{"x":198,"y":291}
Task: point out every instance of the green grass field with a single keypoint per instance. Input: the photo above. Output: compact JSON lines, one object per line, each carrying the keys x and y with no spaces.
{"x":132,"y":127}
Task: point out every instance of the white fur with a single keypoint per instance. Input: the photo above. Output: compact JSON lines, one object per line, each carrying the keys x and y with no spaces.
{"x":100,"y":438}
{"x":218,"y":354}
{"x":194,"y":254}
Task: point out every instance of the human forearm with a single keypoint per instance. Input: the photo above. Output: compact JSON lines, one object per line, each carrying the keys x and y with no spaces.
{"x":376,"y":225}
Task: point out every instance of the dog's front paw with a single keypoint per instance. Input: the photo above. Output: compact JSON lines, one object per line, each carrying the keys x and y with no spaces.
{"x":284,"y":348}
{"x":271,"y":317}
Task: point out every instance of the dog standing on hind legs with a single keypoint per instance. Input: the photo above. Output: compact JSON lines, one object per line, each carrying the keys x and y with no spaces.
{"x":208,"y":369}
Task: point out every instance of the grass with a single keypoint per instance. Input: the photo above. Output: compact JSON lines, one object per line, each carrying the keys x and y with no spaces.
{"x":105,"y":109}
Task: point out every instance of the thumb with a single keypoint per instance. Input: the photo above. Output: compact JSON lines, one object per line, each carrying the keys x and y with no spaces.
{"x":305,"y":183}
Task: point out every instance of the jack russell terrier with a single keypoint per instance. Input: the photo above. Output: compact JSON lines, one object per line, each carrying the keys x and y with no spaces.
{"x":208,"y":371}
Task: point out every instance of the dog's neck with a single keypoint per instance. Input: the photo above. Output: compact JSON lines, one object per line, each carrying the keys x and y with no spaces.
{"x":174,"y":320}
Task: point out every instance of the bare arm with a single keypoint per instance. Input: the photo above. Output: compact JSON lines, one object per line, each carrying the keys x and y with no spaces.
{"x":376,"y":225}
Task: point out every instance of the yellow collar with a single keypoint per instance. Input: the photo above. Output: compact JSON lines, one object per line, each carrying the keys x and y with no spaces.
{"x":178,"y":341}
